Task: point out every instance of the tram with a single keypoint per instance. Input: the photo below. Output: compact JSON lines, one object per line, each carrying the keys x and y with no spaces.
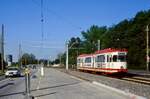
{"x":107,"y":61}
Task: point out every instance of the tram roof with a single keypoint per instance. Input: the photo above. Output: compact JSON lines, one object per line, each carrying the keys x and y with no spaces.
{"x":110,"y":50}
{"x":84,"y":55}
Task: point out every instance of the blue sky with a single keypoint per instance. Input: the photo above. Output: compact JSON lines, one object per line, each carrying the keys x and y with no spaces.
{"x":63,"y":20}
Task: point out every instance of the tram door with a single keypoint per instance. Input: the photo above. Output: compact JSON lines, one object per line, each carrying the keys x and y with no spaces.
{"x":81,"y":62}
{"x":108,"y":61}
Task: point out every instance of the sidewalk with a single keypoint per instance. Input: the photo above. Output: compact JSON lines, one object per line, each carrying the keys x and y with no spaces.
{"x":57,"y":85}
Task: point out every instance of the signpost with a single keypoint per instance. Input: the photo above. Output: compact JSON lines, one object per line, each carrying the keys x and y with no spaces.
{"x":27,"y":83}
{"x":42,"y":69}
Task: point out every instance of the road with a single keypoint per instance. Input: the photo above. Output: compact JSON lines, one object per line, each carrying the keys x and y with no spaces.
{"x":14,"y":88}
{"x":57,"y":85}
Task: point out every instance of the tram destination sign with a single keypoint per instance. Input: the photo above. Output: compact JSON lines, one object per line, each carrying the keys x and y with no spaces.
{"x":121,"y":53}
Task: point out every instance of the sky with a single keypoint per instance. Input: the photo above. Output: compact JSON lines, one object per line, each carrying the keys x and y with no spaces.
{"x":63,"y":19}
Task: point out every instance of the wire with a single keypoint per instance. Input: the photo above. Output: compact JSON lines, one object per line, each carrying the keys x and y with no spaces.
{"x":42,"y":27}
{"x":42,"y":21}
{"x":59,"y":16}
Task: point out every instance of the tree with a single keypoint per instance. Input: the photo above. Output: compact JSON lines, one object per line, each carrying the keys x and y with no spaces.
{"x":129,"y":34}
{"x":91,"y":37}
{"x":28,"y":59}
{"x":74,"y":48}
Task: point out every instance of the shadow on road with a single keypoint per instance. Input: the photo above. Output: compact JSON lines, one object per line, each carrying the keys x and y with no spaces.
{"x":10,"y":94}
{"x":56,"y":86}
{"x":23,"y":92}
{"x":45,"y":94}
{"x":5,"y":85}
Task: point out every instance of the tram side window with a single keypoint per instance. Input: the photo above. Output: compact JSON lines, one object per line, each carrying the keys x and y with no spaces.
{"x":88,"y":60}
{"x":78,"y":61}
{"x":108,"y":58}
{"x":101,"y":58}
{"x":81,"y":60}
{"x":115,"y":58}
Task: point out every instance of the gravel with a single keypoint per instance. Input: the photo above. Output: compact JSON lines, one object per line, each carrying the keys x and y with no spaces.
{"x":127,"y":86}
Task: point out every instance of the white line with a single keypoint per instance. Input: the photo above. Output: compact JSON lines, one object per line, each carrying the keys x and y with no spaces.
{"x":38,"y":86}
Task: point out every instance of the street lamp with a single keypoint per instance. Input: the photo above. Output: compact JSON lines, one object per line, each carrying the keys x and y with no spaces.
{"x":67,"y":51}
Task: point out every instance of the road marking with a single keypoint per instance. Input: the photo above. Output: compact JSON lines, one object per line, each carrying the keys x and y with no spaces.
{"x":39,"y":82}
{"x":38,"y":86}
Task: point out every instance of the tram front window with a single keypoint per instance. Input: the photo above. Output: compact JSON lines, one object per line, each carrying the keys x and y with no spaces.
{"x":115,"y":58}
{"x":122,"y":58}
{"x":119,"y":58}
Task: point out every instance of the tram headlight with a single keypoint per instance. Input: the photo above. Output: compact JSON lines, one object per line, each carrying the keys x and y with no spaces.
{"x":121,"y":67}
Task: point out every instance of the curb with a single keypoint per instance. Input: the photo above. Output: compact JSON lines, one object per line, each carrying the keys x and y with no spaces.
{"x":128,"y":94}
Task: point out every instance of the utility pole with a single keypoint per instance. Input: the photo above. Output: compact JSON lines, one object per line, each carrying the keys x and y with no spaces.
{"x":60,"y":59}
{"x":99,"y":46}
{"x":67,"y":51}
{"x":42,"y":31}
{"x":20,"y":56}
{"x":147,"y":48}
{"x":2,"y":48}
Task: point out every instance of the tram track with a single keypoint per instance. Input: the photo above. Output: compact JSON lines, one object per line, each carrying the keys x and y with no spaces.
{"x":124,"y":77}
{"x":137,"y":79}
{"x":128,"y":77}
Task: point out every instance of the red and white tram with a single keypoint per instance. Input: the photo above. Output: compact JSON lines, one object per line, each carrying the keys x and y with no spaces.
{"x":106,"y":61}
{"x":85,"y":61}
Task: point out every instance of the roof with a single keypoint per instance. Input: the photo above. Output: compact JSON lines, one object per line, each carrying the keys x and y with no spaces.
{"x":84,"y":55}
{"x":110,"y":50}
{"x":104,"y":51}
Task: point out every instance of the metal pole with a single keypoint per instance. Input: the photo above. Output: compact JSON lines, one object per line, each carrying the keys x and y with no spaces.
{"x":27,"y":83}
{"x":60,"y":59}
{"x":2,"y":48}
{"x":42,"y":69}
{"x":99,"y":47}
{"x":20,"y":56}
{"x":76,"y":59}
{"x":67,"y":50}
{"x":147,"y":49}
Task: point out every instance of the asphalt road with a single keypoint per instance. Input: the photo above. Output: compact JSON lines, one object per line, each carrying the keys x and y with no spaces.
{"x":13,"y":88}
{"x":57,"y":85}
{"x":2,"y":77}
